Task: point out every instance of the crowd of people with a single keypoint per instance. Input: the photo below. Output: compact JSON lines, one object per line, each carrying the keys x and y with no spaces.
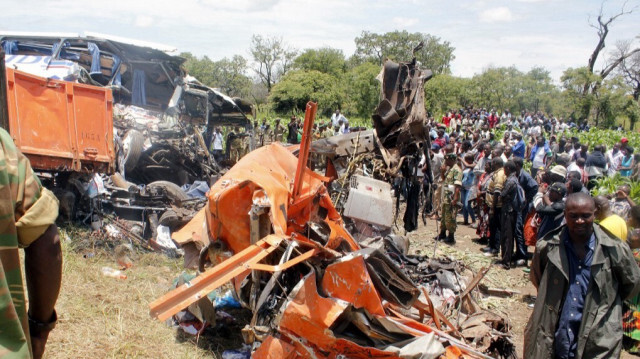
{"x":524,"y":181}
{"x":237,"y":142}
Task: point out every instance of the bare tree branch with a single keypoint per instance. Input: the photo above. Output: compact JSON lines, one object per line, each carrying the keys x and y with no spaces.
{"x":602,"y":28}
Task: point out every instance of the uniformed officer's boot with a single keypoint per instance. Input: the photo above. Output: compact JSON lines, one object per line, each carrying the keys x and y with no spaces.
{"x":442,"y":236}
{"x":449,"y":239}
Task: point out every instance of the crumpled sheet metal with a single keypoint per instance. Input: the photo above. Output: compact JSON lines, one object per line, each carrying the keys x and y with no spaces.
{"x":400,"y":118}
{"x":265,"y":176}
{"x":338,"y":281}
{"x":317,"y":315}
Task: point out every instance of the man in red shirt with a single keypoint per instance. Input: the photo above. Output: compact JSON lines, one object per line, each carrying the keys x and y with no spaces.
{"x":446,"y":119}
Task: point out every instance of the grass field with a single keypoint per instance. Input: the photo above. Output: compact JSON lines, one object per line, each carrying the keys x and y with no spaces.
{"x":103,"y":317}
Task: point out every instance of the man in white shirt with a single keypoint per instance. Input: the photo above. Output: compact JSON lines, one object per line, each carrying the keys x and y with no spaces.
{"x":614,"y":157}
{"x":336,"y":117}
{"x":216,"y":144}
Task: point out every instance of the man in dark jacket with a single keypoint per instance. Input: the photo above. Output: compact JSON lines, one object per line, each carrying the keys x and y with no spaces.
{"x":596,"y":165}
{"x":530,"y":187}
{"x":508,"y":214}
{"x":582,"y":275}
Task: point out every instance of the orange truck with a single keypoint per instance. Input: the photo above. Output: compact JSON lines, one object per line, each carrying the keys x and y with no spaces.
{"x":60,"y":126}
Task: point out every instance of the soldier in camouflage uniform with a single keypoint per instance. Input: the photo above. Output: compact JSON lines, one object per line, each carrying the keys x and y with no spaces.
{"x":257,"y":134}
{"x":451,"y":175}
{"x":267,"y":135}
{"x":278,"y":131}
{"x":236,"y":145}
{"x":27,"y":213}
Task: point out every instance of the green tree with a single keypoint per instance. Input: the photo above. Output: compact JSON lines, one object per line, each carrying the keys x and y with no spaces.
{"x":578,"y":101}
{"x":536,"y":91}
{"x":435,"y":54}
{"x":229,"y":76}
{"x":272,"y":57}
{"x":498,"y":87}
{"x":202,"y":69}
{"x":362,"y":89}
{"x":297,"y":87}
{"x":327,"y":60}
{"x":444,"y":92}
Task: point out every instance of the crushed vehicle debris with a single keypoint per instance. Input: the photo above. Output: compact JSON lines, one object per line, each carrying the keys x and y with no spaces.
{"x":120,"y":108}
{"x":271,"y":229}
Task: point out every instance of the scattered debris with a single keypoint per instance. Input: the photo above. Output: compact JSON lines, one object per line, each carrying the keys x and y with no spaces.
{"x":271,"y":229}
{"x":114,"y":273}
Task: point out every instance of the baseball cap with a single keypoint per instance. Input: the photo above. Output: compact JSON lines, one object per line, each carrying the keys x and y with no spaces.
{"x":435,"y":147}
{"x":560,"y":188}
{"x":624,"y":140}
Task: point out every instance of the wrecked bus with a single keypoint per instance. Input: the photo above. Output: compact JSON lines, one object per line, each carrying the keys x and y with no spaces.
{"x":162,"y":117}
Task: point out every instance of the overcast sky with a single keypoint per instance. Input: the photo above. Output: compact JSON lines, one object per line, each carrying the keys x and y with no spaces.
{"x":554,"y":34}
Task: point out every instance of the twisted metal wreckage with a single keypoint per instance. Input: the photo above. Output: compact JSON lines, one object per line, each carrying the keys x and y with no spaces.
{"x":314,"y":291}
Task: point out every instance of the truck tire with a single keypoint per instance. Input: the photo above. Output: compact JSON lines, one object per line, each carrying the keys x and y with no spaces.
{"x":132,"y":145}
{"x":171,"y":219}
{"x":174,"y":192}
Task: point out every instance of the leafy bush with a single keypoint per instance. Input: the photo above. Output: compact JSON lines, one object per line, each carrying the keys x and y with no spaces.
{"x":608,"y":137}
{"x":609,"y":186}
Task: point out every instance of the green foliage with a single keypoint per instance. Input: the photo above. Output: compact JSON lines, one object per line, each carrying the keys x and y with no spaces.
{"x":496,"y":87}
{"x":362,"y":90}
{"x":577,"y":84}
{"x":200,"y":68}
{"x":296,"y":88}
{"x":597,"y":136}
{"x":227,"y":74}
{"x":327,"y":60}
{"x":398,"y":45}
{"x":272,"y":58}
{"x":607,"y":186}
{"x":444,"y":92}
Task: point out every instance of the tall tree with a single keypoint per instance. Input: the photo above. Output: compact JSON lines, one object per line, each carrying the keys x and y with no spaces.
{"x":362,"y":89}
{"x":398,"y":45}
{"x":200,"y":68}
{"x":630,"y":68}
{"x":230,"y":76}
{"x":602,"y":29}
{"x":298,"y":87}
{"x":272,"y":58}
{"x":328,"y":60}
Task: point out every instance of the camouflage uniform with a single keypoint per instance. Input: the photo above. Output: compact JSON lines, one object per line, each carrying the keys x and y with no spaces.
{"x":27,"y":210}
{"x":452,"y":178}
{"x":278,"y":132}
{"x":267,"y":136}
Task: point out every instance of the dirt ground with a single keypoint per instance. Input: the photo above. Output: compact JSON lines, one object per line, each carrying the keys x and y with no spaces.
{"x":103,"y":317}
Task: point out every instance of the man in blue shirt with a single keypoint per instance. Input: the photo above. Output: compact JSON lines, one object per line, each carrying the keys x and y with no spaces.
{"x":519,"y":147}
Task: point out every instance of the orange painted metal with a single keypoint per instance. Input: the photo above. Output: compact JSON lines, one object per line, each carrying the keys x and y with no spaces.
{"x":60,"y":125}
{"x":175,"y":301}
{"x":309,"y":315}
{"x":273,"y":348}
{"x":267,"y":177}
{"x":349,"y":280}
{"x":305,"y":145}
